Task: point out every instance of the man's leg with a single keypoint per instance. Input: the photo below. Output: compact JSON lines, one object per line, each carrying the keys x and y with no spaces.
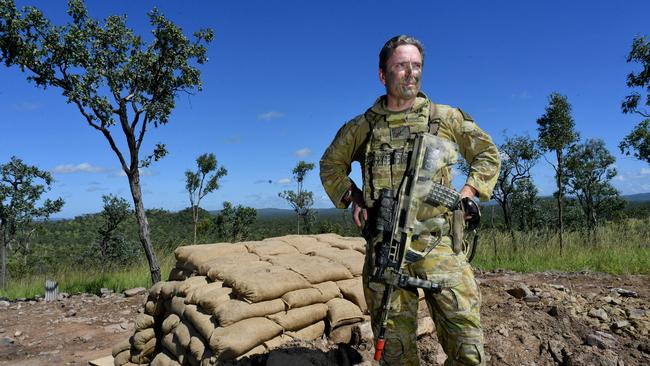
{"x":401,"y":343}
{"x":456,"y":310}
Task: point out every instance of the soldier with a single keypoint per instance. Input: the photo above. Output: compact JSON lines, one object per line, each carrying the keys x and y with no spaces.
{"x":380,"y":140}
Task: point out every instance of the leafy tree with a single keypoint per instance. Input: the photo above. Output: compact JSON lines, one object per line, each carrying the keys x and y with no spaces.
{"x":518,"y":156}
{"x":234,"y":223}
{"x":111,"y":76}
{"x":589,"y":170}
{"x":198,"y":184}
{"x":557,"y":133}
{"x":302,"y":200}
{"x":525,"y":204}
{"x":21,"y":188}
{"x":638,"y":141}
{"x":113,"y":247}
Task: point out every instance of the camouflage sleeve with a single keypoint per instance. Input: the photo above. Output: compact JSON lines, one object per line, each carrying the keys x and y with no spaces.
{"x":336,"y":163}
{"x":477,"y":148}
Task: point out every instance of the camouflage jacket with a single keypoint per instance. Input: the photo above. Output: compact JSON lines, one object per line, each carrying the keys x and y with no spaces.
{"x":353,"y":142}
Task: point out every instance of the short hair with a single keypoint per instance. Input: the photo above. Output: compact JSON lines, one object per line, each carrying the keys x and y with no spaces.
{"x":390,"y":46}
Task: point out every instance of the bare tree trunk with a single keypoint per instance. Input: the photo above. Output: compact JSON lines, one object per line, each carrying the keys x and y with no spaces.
{"x":560,"y":199}
{"x":195,"y":218}
{"x":143,"y":225}
{"x":3,"y":258}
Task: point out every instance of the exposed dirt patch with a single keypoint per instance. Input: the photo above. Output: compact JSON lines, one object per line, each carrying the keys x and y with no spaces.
{"x":545,"y":319}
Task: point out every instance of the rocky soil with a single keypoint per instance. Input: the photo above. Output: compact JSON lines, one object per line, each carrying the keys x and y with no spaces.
{"x":548,"y":318}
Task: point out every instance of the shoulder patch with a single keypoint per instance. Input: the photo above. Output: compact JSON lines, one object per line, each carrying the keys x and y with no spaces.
{"x":466,"y":116}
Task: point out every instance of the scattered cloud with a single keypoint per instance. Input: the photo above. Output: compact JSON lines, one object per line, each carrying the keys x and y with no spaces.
{"x":522,"y":95}
{"x":79,"y":168}
{"x":234,"y":140}
{"x":263,"y":181}
{"x":270,"y":115}
{"x":632,"y":182}
{"x":284,"y":181}
{"x":27,"y":106}
{"x":304,"y":152}
{"x":644,"y":171}
{"x":144,"y":172}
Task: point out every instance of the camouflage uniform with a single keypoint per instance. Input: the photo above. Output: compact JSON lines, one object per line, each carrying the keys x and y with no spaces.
{"x":380,"y":141}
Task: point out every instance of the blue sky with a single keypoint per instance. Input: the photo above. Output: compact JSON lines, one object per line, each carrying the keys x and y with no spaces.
{"x":282,"y":77}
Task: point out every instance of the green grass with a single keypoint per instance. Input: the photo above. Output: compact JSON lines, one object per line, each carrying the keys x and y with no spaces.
{"x":76,"y":280}
{"x":616,"y":248}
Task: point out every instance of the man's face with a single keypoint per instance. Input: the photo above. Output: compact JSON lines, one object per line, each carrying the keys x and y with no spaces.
{"x":403,"y":73}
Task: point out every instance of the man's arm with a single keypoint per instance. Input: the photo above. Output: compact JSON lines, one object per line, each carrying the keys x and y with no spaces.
{"x":479,"y":151}
{"x":335,"y":165}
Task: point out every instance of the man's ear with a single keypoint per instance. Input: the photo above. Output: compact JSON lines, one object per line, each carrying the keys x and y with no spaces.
{"x":382,"y":76}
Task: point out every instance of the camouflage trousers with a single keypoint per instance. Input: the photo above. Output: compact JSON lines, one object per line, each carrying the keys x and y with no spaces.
{"x":455,"y":311}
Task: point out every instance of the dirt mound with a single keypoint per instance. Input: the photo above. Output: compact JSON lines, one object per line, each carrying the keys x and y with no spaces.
{"x":545,"y":319}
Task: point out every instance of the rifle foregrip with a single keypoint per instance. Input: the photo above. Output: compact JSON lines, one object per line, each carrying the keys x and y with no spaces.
{"x":423,"y":284}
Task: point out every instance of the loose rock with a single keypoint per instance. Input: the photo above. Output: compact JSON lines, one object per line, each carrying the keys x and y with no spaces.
{"x":600,"y":339}
{"x":599,"y":313}
{"x":135,"y":291}
{"x":625,"y":293}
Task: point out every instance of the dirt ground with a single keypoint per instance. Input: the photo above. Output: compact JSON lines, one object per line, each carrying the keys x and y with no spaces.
{"x":529,"y":319}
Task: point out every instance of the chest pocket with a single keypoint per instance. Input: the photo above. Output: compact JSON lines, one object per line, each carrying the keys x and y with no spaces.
{"x":390,"y":150}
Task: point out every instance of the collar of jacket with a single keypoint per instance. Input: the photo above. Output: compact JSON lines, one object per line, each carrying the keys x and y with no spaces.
{"x":379,"y":106}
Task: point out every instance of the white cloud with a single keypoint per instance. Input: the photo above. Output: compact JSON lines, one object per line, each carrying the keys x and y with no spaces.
{"x":144,"y":172}
{"x":284,"y":181}
{"x":79,"y":168}
{"x":644,"y":171}
{"x":522,"y":95}
{"x":303,"y":152}
{"x":270,"y":115}
{"x":27,"y":106}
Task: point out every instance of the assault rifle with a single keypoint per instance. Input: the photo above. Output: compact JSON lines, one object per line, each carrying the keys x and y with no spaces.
{"x":397,"y":224}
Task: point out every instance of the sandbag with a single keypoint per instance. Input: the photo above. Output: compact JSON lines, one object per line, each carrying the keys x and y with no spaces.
{"x":212,"y":299}
{"x":177,"y":305}
{"x":230,"y":258}
{"x":352,"y":290}
{"x":190,"y":285}
{"x":341,"y":312}
{"x":239,"y":338}
{"x":342,"y":334}
{"x":321,"y":292}
{"x":277,"y":342}
{"x":265,"y":283}
{"x":232,"y":311}
{"x":122,"y":358}
{"x":267,"y":248}
{"x":196,"y":293}
{"x":351,"y":259}
{"x":255,"y":351}
{"x":314,"y":269}
{"x":170,"y":322}
{"x":202,"y":322}
{"x":143,"y":321}
{"x":169,"y":289}
{"x":310,"y":332}
{"x":304,"y":244}
{"x":163,"y":359}
{"x":228,"y":270}
{"x":184,"y":332}
{"x":337,"y":241}
{"x":121,"y":346}
{"x":170,"y":343}
{"x":198,"y":350}
{"x":204,"y":251}
{"x":299,"y":318}
{"x":154,"y":291}
{"x":154,"y":308}
{"x":141,"y":337}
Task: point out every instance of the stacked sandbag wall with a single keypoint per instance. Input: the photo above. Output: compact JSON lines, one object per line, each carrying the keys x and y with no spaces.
{"x":226,"y":301}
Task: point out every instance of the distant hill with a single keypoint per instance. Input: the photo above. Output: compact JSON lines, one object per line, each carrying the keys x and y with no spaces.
{"x":639,"y":197}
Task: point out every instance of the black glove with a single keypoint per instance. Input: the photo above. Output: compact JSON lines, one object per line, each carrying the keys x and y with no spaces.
{"x":472,"y":213}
